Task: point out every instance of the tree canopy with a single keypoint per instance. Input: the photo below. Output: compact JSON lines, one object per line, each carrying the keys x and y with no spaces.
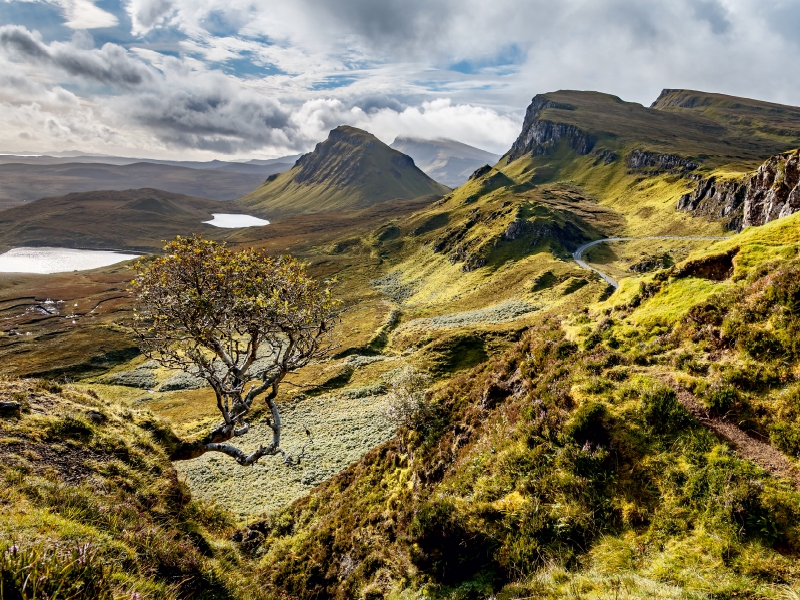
{"x":241,"y":320}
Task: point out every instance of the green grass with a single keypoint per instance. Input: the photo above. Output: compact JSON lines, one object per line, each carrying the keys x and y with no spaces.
{"x":567,"y":467}
{"x":91,"y":504}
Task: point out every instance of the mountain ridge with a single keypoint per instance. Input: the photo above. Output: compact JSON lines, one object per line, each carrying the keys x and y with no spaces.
{"x":351,"y":169}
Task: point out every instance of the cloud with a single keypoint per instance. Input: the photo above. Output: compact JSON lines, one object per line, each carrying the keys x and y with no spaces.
{"x":111,"y":64}
{"x":83,"y":14}
{"x":209,"y":114}
{"x":146,"y":14}
{"x":273,"y":76}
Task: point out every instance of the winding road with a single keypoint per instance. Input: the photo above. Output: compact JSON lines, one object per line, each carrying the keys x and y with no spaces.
{"x":613,"y":282}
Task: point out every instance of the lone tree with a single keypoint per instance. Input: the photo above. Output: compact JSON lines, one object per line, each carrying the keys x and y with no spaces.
{"x":240,"y":320}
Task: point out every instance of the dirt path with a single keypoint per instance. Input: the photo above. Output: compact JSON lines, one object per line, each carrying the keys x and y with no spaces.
{"x":761,"y":453}
{"x":613,"y":282}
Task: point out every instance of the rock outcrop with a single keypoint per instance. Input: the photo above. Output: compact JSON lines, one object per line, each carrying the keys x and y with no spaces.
{"x":774,"y":191}
{"x":717,"y":199}
{"x":771,"y":193}
{"x":539,"y":136}
{"x":641,"y":160}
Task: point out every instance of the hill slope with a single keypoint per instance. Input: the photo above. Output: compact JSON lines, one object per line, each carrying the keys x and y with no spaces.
{"x":352,"y":169}
{"x":132,"y":219}
{"x":573,"y":462}
{"x":92,"y":503}
{"x":447,"y":161}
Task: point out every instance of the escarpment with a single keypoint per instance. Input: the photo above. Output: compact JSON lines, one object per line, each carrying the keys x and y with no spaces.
{"x":771,"y":193}
{"x":717,"y":199}
{"x":639,"y":160}
{"x":539,"y":136}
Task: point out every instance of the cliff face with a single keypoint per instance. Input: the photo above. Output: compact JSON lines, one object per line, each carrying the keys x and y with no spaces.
{"x":640,"y":160}
{"x":717,"y":200}
{"x":773,"y":192}
{"x":539,"y":136}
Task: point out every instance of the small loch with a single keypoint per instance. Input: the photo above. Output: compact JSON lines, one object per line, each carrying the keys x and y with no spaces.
{"x":58,"y":260}
{"x":229,"y":221}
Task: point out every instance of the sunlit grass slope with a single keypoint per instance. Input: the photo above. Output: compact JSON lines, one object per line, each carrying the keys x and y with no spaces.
{"x":91,"y":502}
{"x":352,"y":169}
{"x":567,"y":467}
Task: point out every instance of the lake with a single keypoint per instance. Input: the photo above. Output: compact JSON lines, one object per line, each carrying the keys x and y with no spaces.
{"x":234,"y":221}
{"x":58,"y":260}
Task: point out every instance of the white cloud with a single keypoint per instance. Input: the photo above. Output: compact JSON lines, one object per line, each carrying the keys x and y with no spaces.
{"x":462,"y":69}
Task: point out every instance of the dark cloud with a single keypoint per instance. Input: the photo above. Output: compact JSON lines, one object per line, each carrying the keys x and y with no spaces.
{"x":218,"y":119}
{"x":373,"y":102}
{"x":110,"y":65}
{"x":396,"y":27}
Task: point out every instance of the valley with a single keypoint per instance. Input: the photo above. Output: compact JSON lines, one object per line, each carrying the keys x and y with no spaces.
{"x":613,"y":392}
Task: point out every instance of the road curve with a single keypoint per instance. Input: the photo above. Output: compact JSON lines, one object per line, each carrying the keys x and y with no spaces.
{"x":614,"y":283}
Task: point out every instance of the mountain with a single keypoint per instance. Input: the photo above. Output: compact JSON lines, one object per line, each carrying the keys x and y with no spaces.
{"x":352,"y":169}
{"x":131,"y":219}
{"x":665,"y":137}
{"x":447,"y":161}
{"x":76,"y":157}
{"x":26,"y":179}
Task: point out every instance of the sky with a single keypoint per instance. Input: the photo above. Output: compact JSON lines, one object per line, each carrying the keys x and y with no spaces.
{"x":234,"y":79}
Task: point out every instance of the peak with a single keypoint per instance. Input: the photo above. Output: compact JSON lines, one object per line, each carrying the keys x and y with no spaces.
{"x":352,"y":168}
{"x":352,"y":135}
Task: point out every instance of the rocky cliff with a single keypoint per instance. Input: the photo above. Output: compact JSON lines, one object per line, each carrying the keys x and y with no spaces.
{"x":771,"y":193}
{"x":539,"y":136}
{"x":717,"y":199}
{"x":641,"y":160}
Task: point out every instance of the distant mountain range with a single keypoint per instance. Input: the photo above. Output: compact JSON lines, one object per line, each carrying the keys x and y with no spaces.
{"x":350,"y":170}
{"x":26,"y":178}
{"x":447,"y":161}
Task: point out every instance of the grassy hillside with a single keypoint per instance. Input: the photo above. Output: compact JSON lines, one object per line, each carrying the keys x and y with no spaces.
{"x":352,"y":169}
{"x":131,"y":219}
{"x":750,"y":117}
{"x":577,"y":442}
{"x":92,"y":505}
{"x":591,"y":460}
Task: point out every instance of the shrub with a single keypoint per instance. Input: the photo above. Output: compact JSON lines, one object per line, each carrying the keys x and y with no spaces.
{"x":662,"y":412}
{"x":446,"y":547}
{"x":589,"y":424}
{"x":721,"y":399}
{"x":408,"y":404}
{"x":786,"y":437}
